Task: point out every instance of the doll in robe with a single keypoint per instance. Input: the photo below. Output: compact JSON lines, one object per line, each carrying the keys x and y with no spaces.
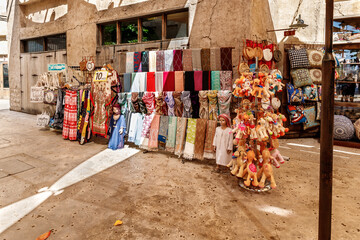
{"x":117,"y":129}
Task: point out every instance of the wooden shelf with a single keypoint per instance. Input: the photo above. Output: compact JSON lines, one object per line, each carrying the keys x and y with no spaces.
{"x":345,"y":82}
{"x":346,"y":45}
{"x":347,"y":104}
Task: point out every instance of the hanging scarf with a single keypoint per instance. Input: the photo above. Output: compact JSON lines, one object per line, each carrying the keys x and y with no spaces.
{"x":226,"y":80}
{"x":135,"y":85}
{"x":150,"y":82}
{"x":122,"y":62}
{"x":169,"y":58}
{"x":142,"y":105}
{"x":204,"y":105}
{"x":206,"y":80}
{"x":215,"y":59}
{"x":145,"y":133}
{"x":210,"y":134}
{"x":171,"y":137}
{"x":101,"y":100}
{"x":226,"y":59}
{"x":187,"y":60}
{"x":189,"y":81}
{"x":127,"y":82}
{"x":133,"y":126}
{"x":59,"y":114}
{"x":177,"y":62}
{"x":169,"y":81}
{"x":130,"y":110}
{"x":201,"y":125}
{"x":215,"y":80}
{"x":179,"y":81}
{"x":224,"y":99}
{"x":123,"y":103}
{"x":152,"y":61}
{"x":160,"y":64}
{"x":160,"y":105}
{"x":84,"y":132}
{"x":129,"y":62}
{"x":196,"y":59}
{"x":170,"y":102}
{"x":213,"y":108}
{"x":163,"y":130}
{"x":142,"y":81}
{"x":135,"y":101}
{"x":154,"y":133}
{"x":185,"y":98}
{"x":180,"y":136}
{"x":139,"y":126}
{"x":205,"y":59}
{"x":145,"y":61}
{"x":198,"y":81}
{"x":149,"y":100}
{"x":159,"y":81}
{"x":137,"y":61}
{"x":195,"y":104}
{"x":189,"y":149}
{"x":178,"y":109}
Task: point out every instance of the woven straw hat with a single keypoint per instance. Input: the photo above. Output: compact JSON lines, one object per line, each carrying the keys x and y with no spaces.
{"x":259,"y":53}
{"x":267,"y":54}
{"x":264,"y":69}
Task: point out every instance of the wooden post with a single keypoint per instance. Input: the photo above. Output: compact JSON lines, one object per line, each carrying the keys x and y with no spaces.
{"x":139,"y":30}
{"x":164,"y":20}
{"x":118,"y":32}
{"x":327,"y":129}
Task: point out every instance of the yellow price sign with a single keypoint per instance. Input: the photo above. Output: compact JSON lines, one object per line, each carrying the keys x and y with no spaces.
{"x":100,"y":76}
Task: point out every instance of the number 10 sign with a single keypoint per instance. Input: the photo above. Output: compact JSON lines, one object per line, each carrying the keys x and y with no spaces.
{"x":100,"y":76}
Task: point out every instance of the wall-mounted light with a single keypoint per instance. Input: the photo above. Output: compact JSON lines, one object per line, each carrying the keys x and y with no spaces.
{"x":299,"y":24}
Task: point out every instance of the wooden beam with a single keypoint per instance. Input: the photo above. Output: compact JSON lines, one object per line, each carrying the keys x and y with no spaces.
{"x":164,"y":20}
{"x":139,"y":30}
{"x":118,"y":32}
{"x":100,"y":33}
{"x":351,"y":46}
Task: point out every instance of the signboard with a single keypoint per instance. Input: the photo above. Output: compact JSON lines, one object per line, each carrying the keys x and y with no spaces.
{"x":100,"y":76}
{"x":289,"y":33}
{"x":58,"y":67}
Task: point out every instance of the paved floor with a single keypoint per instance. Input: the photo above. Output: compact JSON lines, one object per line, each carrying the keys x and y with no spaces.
{"x":158,"y":197}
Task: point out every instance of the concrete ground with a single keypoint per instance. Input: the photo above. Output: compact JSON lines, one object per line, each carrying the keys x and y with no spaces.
{"x":158,"y":197}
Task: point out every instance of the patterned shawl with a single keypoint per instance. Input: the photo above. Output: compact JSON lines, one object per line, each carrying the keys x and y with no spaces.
{"x":215,"y":80}
{"x":196,"y":59}
{"x":189,"y":149}
{"x":142,"y":81}
{"x":137,"y":61}
{"x":171,"y":137}
{"x":170,"y":102}
{"x":142,"y":104}
{"x":159,"y":81}
{"x":226,"y":59}
{"x":210,"y":133}
{"x":127,"y":82}
{"x":154,"y":133}
{"x":187,"y":60}
{"x":129,"y":62}
{"x":213,"y":108}
{"x":224,"y":99}
{"x":135,"y":101}
{"x":201,"y":125}
{"x":215,"y":59}
{"x":139,"y":127}
{"x":145,"y":133}
{"x":152,"y":61}
{"x":133,"y":126}
{"x":169,"y":81}
{"x":160,"y":105}
{"x":185,"y":98}
{"x":130,"y":110}
{"x":135,"y":84}
{"x":163,"y":131}
{"x":160,"y":61}
{"x":195,"y":104}
{"x":205,"y":59}
{"x":180,"y":136}
{"x":145,"y":61}
{"x":169,"y":57}
{"x":179,"y":81}
{"x":177,"y":62}
{"x":149,"y":100}
{"x":204,"y":105}
{"x":123,"y":103}
{"x":198,"y":81}
{"x":226,"y":80}
{"x":178,"y":109}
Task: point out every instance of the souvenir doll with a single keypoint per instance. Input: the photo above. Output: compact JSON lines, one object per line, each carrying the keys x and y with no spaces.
{"x":117,"y":129}
{"x":223,"y":142}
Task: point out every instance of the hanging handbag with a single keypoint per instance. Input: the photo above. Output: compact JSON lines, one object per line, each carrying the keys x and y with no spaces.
{"x":259,"y":53}
{"x":264,"y":69}
{"x":277,"y":55}
{"x":42,"y":120}
{"x":268,"y":55}
{"x":50,"y":96}
{"x":90,"y":65}
{"x":83,"y":64}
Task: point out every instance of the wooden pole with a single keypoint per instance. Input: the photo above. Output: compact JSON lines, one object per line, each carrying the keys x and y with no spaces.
{"x":327,"y":128}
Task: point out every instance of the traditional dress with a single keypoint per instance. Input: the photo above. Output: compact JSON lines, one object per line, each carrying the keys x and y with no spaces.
{"x":223,"y":141}
{"x":116,"y":139}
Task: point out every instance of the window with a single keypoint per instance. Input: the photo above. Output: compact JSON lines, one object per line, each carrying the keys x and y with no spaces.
{"x":5,"y":76}
{"x":109,"y":34}
{"x":129,"y":31}
{"x":48,"y":43}
{"x":151,"y":28}
{"x":177,"y":25}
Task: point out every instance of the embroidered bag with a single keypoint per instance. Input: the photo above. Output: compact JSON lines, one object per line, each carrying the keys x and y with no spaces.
{"x":42,"y":120}
{"x":298,"y":58}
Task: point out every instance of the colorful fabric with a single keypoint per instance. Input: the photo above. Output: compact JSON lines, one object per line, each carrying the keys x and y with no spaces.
{"x":145,"y":61}
{"x":215,"y":80}
{"x":137,"y":61}
{"x":301,"y":77}
{"x":296,"y":114}
{"x":129,"y":62}
{"x":133,"y":127}
{"x":189,"y":149}
{"x":226,"y":59}
{"x":159,"y":81}
{"x":195,"y":104}
{"x":149,"y":100}
{"x":196,"y":59}
{"x":145,"y":132}
{"x":310,"y":115}
{"x":169,"y":58}
{"x":152,"y":61}
{"x":180,"y":136}
{"x":171,"y":137}
{"x":135,"y":85}
{"x":298,"y":58}
{"x":204,"y":105}
{"x":116,"y":140}
{"x":215,"y":59}
{"x":213,"y":108}
{"x":224,"y":99}
{"x":189,"y":81}
{"x":160,"y":105}
{"x":169,"y":81}
{"x":150,"y":82}
{"x":142,"y":105}
{"x":160,"y":61}
{"x":142,"y":81}
{"x":210,"y":133}
{"x":127,"y":82}
{"x":139,"y":127}
{"x":198,"y":81}
{"x":226,"y":80}
{"x":200,"y":134}
{"x":177,"y":60}
{"x":185,"y":98}
{"x":206,"y":80}
{"x":187,"y":60}
{"x":154,"y":133}
{"x":178,"y":109}
{"x":135,"y":101}
{"x":294,"y":95}
{"x":170,"y":102}
{"x":310,"y":92}
{"x":163,"y":131}
{"x":70,"y":116}
{"x":59,"y":113}
{"x":123,"y":102}
{"x":179,"y":81}
{"x":205,"y":59}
